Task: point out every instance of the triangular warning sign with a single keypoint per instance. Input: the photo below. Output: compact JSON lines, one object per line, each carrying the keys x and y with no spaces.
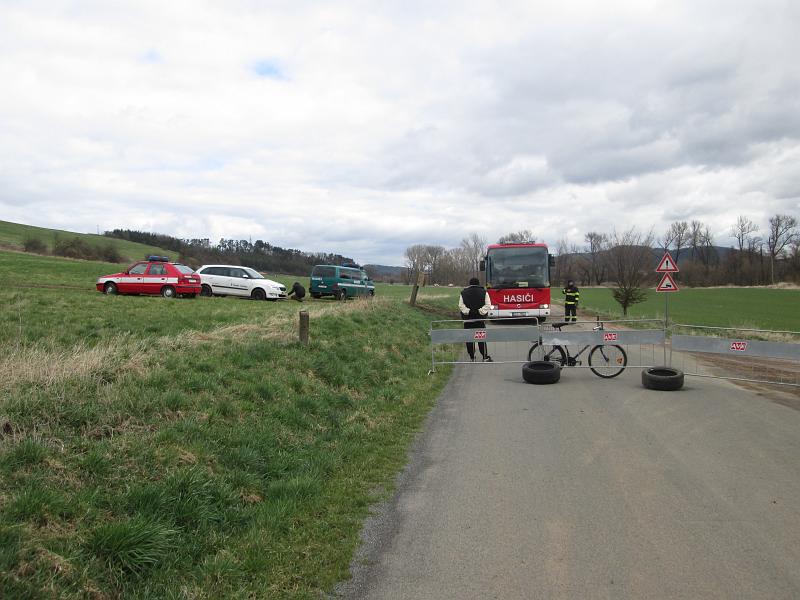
{"x":667,"y":284}
{"x":667,"y":264}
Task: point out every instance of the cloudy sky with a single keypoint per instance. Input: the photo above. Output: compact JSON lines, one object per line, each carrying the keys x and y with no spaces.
{"x":364,"y":127}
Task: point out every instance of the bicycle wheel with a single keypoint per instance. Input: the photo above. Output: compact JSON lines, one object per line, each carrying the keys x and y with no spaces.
{"x":550,"y":353}
{"x":607,"y":361}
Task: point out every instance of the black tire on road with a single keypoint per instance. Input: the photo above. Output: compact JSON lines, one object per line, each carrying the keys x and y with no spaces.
{"x":550,"y":353}
{"x":341,"y":295}
{"x":259,"y":294}
{"x":541,"y":371}
{"x":206,"y":290}
{"x":665,"y":379}
{"x":110,"y":288}
{"x":168,"y":291}
{"x":607,"y":361}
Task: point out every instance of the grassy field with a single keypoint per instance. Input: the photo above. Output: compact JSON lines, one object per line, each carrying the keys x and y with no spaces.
{"x":155,"y":448}
{"x":756,"y":308}
{"x":13,"y":235}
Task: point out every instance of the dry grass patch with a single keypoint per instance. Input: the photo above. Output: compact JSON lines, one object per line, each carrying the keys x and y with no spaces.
{"x":46,"y":367}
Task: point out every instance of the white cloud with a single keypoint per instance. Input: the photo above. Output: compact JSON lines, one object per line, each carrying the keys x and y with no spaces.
{"x":361,"y":129}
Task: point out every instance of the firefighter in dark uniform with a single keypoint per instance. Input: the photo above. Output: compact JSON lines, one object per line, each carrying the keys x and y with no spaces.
{"x":474,"y":303}
{"x":571,"y":296}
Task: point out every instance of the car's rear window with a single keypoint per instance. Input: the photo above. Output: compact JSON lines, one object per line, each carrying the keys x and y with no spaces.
{"x":184,"y":269}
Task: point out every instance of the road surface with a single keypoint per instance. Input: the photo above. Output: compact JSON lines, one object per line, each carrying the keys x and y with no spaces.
{"x":590,"y":488}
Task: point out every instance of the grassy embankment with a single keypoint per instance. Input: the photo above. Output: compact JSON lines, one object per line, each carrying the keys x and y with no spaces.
{"x":756,"y":308}
{"x":192,"y":448}
{"x":13,"y":235}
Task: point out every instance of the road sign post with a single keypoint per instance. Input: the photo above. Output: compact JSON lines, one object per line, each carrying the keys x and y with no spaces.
{"x":667,"y":266}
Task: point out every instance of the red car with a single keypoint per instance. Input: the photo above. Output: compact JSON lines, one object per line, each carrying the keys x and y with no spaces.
{"x":156,"y":275}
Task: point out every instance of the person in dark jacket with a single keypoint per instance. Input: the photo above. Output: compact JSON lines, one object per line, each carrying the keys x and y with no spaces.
{"x":571,"y":297}
{"x":298,"y":292}
{"x":474,"y":303}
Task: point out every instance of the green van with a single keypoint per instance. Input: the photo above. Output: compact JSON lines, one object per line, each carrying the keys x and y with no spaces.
{"x":341,"y":282}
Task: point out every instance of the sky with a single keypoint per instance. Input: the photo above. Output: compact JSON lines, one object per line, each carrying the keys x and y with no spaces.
{"x":365,"y":127}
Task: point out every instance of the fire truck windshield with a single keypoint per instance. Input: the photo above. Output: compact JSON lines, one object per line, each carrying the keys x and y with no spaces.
{"x":517,"y":267}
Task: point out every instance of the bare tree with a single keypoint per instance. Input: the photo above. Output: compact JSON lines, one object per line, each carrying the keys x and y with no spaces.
{"x":474,"y":245}
{"x":795,"y":257}
{"x":594,"y":246}
{"x":677,"y":237}
{"x":630,"y":256}
{"x":517,"y":237}
{"x":709,"y":251}
{"x":782,"y":230}
{"x":433,"y":255}
{"x":564,"y":262}
{"x":741,"y":231}
{"x":416,"y":257}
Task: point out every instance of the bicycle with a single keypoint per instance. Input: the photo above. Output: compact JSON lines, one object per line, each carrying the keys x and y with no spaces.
{"x":605,"y":361}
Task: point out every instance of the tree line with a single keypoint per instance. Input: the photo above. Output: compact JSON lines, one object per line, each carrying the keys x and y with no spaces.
{"x":259,"y":255}
{"x":626,"y":261}
{"x":757,"y":258}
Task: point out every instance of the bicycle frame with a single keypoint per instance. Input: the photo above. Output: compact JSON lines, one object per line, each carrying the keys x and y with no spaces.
{"x":572,"y":359}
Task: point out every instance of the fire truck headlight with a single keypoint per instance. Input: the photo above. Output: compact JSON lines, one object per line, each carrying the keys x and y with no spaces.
{"x":493,"y":306}
{"x":545,"y":306}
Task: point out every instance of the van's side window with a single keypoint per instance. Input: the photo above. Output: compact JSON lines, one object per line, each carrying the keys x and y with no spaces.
{"x":324,"y":272}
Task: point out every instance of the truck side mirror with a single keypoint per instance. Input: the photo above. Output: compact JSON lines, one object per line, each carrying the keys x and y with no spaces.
{"x":482,"y":266}
{"x":552,"y":260}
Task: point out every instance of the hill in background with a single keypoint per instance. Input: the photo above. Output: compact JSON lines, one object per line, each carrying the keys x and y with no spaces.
{"x":125,"y":245}
{"x":385,"y":273}
{"x":40,"y":240}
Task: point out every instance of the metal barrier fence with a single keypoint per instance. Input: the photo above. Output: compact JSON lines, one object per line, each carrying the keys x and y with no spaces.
{"x":505,"y":338}
{"x":750,"y":355}
{"x":573,"y":344}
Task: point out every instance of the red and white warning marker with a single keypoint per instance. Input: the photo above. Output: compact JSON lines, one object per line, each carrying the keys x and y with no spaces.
{"x":667,"y":284}
{"x":667,"y":265}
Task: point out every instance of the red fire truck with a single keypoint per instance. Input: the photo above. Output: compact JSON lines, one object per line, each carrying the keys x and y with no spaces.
{"x":518,"y":280}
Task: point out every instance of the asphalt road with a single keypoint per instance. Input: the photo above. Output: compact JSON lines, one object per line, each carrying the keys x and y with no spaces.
{"x":590,"y":488}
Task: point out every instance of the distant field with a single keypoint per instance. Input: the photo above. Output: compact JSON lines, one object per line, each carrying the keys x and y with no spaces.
{"x":15,"y":234}
{"x":755,"y":308}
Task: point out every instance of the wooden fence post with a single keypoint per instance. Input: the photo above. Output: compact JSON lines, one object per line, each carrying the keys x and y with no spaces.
{"x":420,"y":281}
{"x":304,"y":327}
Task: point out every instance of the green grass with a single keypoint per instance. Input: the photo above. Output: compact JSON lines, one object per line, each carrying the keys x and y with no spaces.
{"x":14,"y":235}
{"x":757,"y":308}
{"x":193,"y":448}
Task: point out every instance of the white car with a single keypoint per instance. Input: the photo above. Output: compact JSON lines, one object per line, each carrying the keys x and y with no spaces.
{"x":233,"y":280}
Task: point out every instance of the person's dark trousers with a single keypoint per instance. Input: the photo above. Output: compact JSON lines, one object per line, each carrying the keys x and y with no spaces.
{"x":471,"y":345}
{"x":570,"y":312}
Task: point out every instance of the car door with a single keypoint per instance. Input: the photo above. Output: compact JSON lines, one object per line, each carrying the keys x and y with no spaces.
{"x":240,"y":282}
{"x":133,"y":280}
{"x":211,"y":277}
{"x":155,"y":278}
{"x":322,"y":279}
{"x":357,"y":284}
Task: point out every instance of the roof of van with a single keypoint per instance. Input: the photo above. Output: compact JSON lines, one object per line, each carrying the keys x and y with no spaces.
{"x":342,"y":266}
